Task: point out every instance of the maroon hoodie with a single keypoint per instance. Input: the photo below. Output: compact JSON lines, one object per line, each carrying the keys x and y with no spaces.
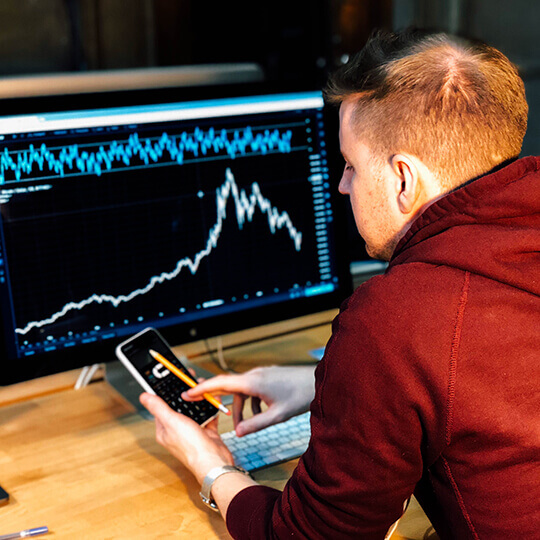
{"x":429,"y":384}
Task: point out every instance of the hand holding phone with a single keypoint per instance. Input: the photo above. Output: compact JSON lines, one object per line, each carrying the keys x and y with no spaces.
{"x":155,"y":378}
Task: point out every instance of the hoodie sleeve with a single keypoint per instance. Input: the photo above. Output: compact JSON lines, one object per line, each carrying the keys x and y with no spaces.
{"x":374,"y":405}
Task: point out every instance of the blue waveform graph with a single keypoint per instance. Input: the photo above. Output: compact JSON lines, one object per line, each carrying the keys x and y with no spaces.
{"x":76,"y":159}
{"x":246,"y":204}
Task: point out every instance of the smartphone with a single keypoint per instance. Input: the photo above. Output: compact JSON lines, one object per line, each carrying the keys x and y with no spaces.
{"x":4,"y":496}
{"x":156,"y":378}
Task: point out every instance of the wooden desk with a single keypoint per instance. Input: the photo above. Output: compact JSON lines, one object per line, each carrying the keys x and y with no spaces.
{"x":83,"y":463}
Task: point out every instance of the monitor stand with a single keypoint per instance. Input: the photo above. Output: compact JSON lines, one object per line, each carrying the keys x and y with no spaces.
{"x":124,"y":383}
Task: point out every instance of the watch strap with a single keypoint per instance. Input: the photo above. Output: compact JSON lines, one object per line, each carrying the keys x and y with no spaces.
{"x":211,"y":477}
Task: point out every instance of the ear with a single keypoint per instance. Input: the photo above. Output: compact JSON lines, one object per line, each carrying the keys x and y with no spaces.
{"x":407,"y":182}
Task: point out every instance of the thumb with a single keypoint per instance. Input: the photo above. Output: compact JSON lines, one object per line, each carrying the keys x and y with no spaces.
{"x":255,"y":423}
{"x":156,"y":406}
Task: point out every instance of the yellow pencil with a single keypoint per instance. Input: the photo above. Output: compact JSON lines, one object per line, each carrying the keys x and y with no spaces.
{"x":188,"y":380}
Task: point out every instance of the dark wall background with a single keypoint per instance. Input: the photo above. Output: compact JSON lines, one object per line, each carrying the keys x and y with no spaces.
{"x":292,"y":39}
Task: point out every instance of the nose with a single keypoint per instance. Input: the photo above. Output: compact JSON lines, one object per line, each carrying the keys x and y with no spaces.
{"x":344,"y":183}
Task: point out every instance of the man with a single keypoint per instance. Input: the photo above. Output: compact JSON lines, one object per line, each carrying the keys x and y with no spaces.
{"x":429,"y":384}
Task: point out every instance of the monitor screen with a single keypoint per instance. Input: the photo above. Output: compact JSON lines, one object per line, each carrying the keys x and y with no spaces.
{"x":197,"y":218}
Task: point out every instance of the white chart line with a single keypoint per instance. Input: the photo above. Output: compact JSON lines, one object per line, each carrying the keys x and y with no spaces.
{"x":245,"y":206}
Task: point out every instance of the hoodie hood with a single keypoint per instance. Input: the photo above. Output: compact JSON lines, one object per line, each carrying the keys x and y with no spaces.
{"x":489,"y":227}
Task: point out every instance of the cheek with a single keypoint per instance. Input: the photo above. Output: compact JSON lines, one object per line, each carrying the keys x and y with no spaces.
{"x":367,"y":211}
{"x":361,"y":207}
{"x":361,"y":197}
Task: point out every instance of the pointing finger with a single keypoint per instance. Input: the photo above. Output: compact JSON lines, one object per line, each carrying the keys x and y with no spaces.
{"x":220,"y":384}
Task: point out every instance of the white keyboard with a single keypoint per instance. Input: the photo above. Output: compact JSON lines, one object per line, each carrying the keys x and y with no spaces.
{"x":274,"y":444}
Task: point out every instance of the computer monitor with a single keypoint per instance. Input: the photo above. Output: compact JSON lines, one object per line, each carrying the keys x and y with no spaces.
{"x":198,"y":218}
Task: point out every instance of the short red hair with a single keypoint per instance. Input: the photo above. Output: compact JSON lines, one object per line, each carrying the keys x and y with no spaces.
{"x":458,"y":106}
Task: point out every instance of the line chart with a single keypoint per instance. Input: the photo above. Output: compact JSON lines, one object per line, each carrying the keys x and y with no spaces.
{"x":75,"y":159}
{"x":245,"y":207}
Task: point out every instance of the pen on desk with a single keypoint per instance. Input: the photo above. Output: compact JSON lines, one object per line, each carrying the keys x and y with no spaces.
{"x":188,"y":380}
{"x":25,"y":534}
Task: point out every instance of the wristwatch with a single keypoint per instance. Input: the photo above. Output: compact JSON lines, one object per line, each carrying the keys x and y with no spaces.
{"x":209,"y":480}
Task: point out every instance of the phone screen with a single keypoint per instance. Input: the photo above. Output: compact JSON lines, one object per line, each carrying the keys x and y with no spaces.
{"x":158,"y":378}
